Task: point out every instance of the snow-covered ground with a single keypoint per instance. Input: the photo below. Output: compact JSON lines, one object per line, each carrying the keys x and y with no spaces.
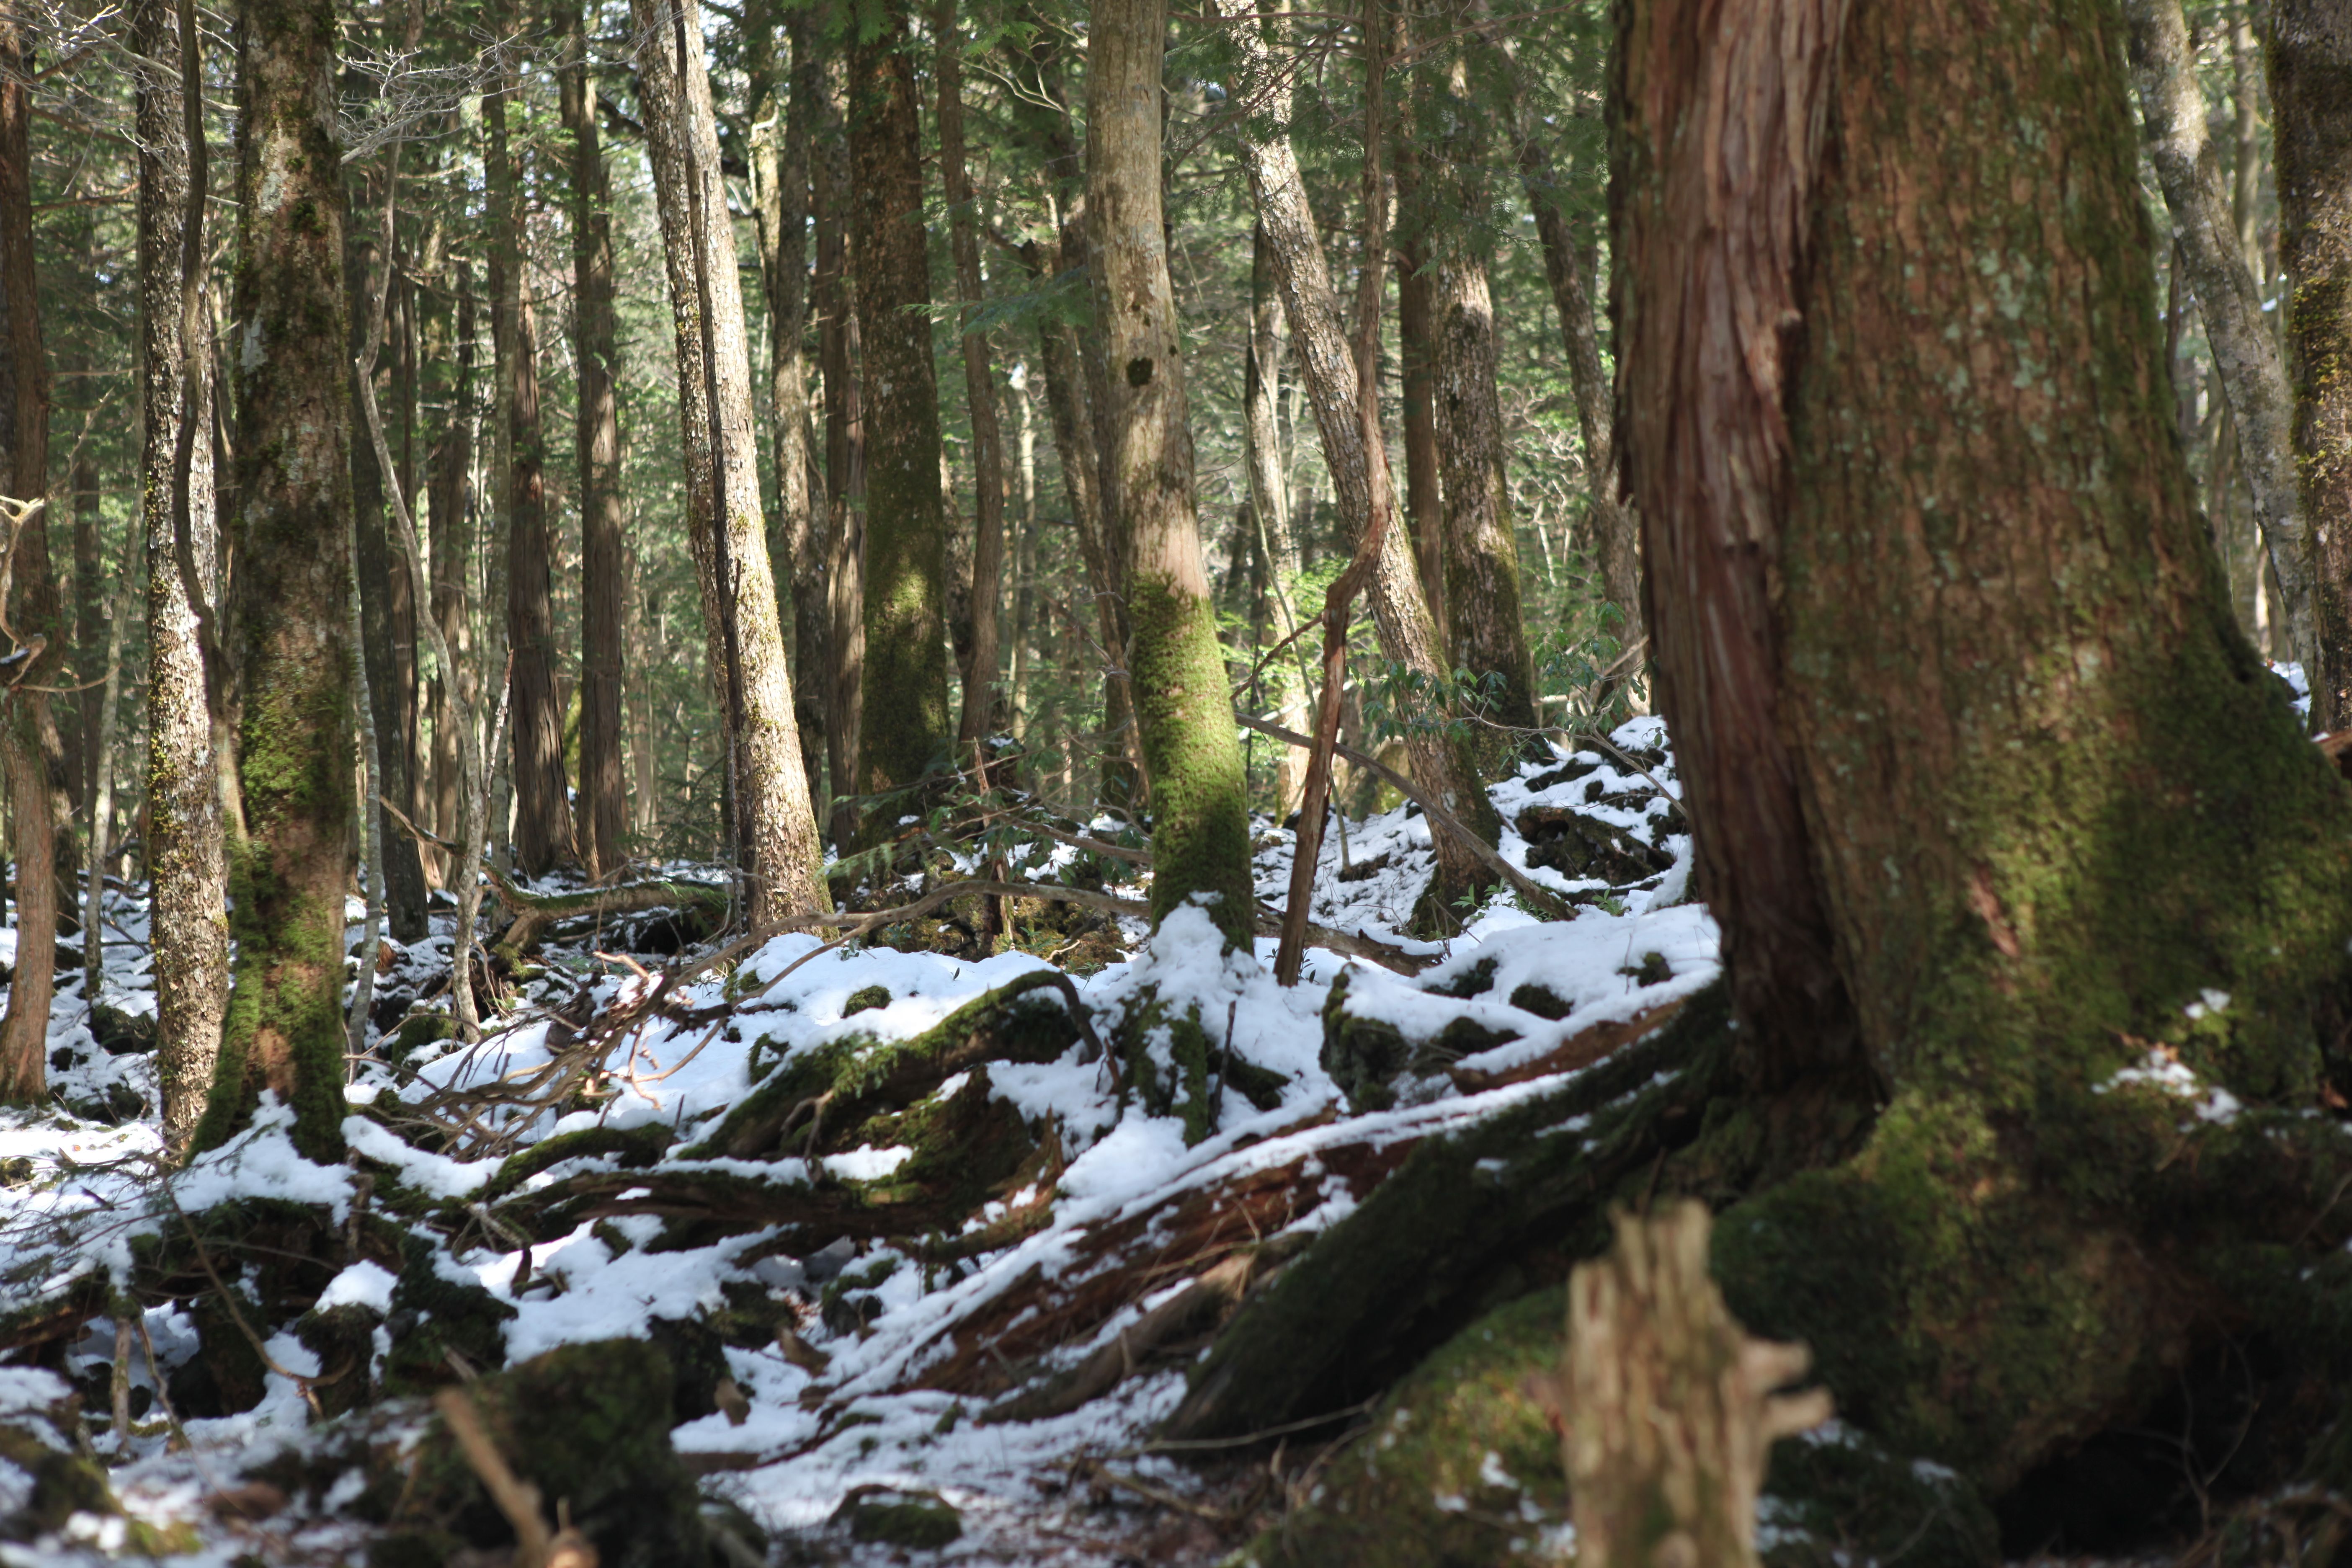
{"x":78,"y":1189}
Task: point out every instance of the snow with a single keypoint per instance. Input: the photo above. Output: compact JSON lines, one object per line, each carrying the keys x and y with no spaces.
{"x":807,"y":1439}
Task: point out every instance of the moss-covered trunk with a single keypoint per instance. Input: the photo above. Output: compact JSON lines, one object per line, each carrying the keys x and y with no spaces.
{"x":187,"y":849}
{"x":2311,"y":95}
{"x":1989,"y":758}
{"x":1199,"y":817}
{"x":906,"y":725}
{"x":290,"y":633}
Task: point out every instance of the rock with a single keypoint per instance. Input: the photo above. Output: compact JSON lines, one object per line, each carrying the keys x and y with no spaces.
{"x":587,"y":1424}
{"x":889,"y":1517}
{"x":866,"y":999}
{"x":120,"y":1031}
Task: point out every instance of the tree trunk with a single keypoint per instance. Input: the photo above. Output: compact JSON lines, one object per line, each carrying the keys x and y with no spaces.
{"x":845,"y":444}
{"x":186,"y":852}
{"x":544,"y":836}
{"x":88,"y":635}
{"x":780,"y":167}
{"x":292,"y":696}
{"x":906,"y":728}
{"x":2230,"y":298}
{"x":980,"y":393}
{"x":1262,"y":454}
{"x":1200,"y":818}
{"x":25,"y":589}
{"x":1925,"y":767}
{"x":1424,"y":502}
{"x":1616,"y":535}
{"x":404,"y":867}
{"x":1441,"y":759}
{"x":603,"y":827}
{"x":773,"y":831}
{"x":2311,"y":99}
{"x":452,"y":507}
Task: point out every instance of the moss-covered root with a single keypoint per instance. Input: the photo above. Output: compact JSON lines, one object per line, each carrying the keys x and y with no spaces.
{"x":841,"y":1084}
{"x":588,"y":1425}
{"x":535,"y":913}
{"x":1461,"y":1465}
{"x":1464,"y":1219}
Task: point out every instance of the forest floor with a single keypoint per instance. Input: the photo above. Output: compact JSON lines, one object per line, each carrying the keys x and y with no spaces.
{"x":876,"y":1361}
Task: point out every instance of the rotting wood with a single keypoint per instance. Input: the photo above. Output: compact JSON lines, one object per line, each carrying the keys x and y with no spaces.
{"x":1670,"y":1408}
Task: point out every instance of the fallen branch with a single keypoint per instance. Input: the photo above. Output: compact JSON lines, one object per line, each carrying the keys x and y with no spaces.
{"x":1549,"y":902}
{"x":535,"y":913}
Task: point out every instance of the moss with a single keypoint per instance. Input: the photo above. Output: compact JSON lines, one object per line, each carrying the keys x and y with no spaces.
{"x":1200,"y":814}
{"x":424,"y":1029}
{"x":885,"y":1516}
{"x":1167,"y":1059}
{"x":343,"y":1339}
{"x":1459,"y":1465}
{"x":434,"y":1316}
{"x":864,"y":999}
{"x":1835,"y":1496}
{"x":633,"y":1148}
{"x":589,"y":1425}
{"x":62,"y":1484}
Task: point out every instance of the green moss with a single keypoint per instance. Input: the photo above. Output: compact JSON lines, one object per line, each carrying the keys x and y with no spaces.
{"x":1460,"y":1465}
{"x":1835,"y":1497}
{"x":1200,"y":813}
{"x":864,"y":999}
{"x":919,"y":1519}
{"x":634,"y":1147}
{"x":1167,"y":1060}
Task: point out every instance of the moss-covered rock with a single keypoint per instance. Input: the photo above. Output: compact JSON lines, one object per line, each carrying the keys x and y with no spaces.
{"x":1834,"y":1497}
{"x":1461,"y":1464}
{"x":443,"y":1329}
{"x":588,"y":1425}
{"x":889,"y":1517}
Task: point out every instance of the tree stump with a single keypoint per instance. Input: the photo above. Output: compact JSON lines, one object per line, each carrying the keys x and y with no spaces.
{"x":1670,"y":1408}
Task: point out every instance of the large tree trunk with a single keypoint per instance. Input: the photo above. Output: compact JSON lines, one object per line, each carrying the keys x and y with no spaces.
{"x":1441,"y":759}
{"x":905,"y":727}
{"x":379,"y":568}
{"x":980,"y":392}
{"x":2230,"y":298}
{"x":603,"y":540}
{"x":186,"y":854}
{"x":290,"y":649}
{"x":543,"y":839}
{"x":780,"y":170}
{"x":1424,"y":496}
{"x":27,"y":731}
{"x":845,"y":441}
{"x":1200,"y":818}
{"x":89,"y":639}
{"x":2311,"y":97}
{"x":1262,"y":454}
{"x":772,"y":829}
{"x":1925,"y":769}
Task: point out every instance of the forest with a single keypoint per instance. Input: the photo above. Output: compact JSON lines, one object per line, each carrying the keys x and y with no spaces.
{"x":800,"y":782}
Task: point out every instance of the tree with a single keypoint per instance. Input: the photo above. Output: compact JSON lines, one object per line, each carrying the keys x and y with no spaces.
{"x":1485,"y":633}
{"x":979,"y":390}
{"x":186,"y":851}
{"x":1200,"y":817}
{"x":544,"y":835}
{"x":2310,"y":46}
{"x":290,"y":699}
{"x":1929,"y":763}
{"x":838,"y":354}
{"x":603,"y":541}
{"x":2245,"y":350}
{"x":29,"y":737}
{"x":772,"y":831}
{"x":1440,"y":754}
{"x":905,"y":728}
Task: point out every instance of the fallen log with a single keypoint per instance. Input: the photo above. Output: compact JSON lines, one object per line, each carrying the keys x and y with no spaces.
{"x":534,"y":913}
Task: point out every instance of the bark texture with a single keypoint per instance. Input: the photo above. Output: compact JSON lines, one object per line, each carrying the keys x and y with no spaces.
{"x":844,"y":440}
{"x":1442,"y":763}
{"x":2245,"y":350}
{"x":2311,"y":97}
{"x":186,"y":847}
{"x":603,"y":824}
{"x":906,"y":726}
{"x":290,"y":635}
{"x":1995,"y":663}
{"x":1708,"y":252}
{"x":457,"y":685}
{"x":1200,"y":818}
{"x":774,"y":831}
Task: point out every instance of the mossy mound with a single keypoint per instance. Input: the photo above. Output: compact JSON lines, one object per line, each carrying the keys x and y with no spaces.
{"x":1835,"y":1497}
{"x":1461,"y":1465}
{"x":891,"y":1518}
{"x":587,"y":1424}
